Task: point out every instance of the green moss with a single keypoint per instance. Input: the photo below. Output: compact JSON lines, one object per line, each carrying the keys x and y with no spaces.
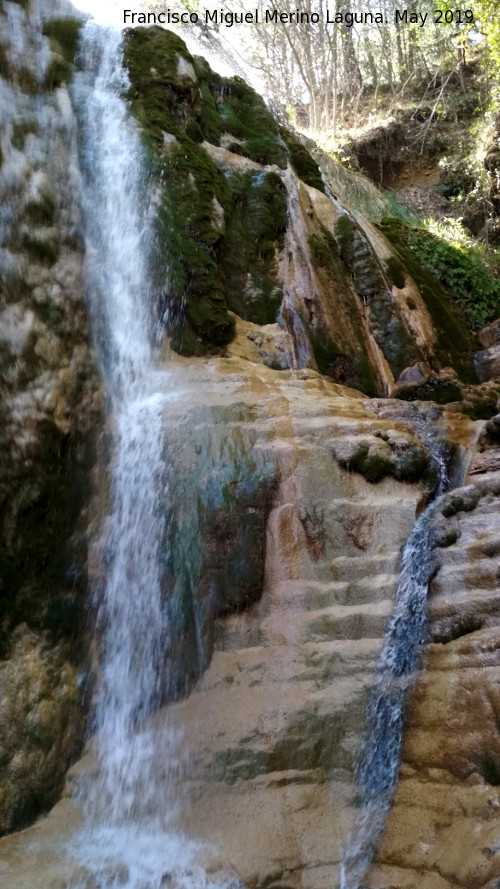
{"x":464,"y":274}
{"x":490,"y":769}
{"x":244,"y":115}
{"x":219,"y":236}
{"x":187,"y":231}
{"x":40,"y":212}
{"x":194,"y":131}
{"x":40,"y":249}
{"x":434,"y":389}
{"x":454,"y":346}
{"x":209,"y":120}
{"x":349,"y":366}
{"x":162,"y":101}
{"x":325,"y":255}
{"x":24,"y":3}
{"x":21,"y":130}
{"x":42,"y":508}
{"x":254,"y":233}
{"x":448,"y":538}
{"x":410,"y":465}
{"x":59,"y":71}
{"x":4,"y":63}
{"x":396,"y":273}
{"x":326,"y":352}
{"x":302,"y":161}
{"x":345,"y":231}
{"x":374,"y":467}
{"x":64,"y":34}
{"x":482,"y":408}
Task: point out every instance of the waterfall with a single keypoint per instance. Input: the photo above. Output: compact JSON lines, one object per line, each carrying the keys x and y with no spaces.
{"x":129,"y":838}
{"x":406,"y":632}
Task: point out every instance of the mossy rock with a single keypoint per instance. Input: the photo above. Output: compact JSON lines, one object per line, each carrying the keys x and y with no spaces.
{"x":302,"y":161}
{"x":468,"y":279}
{"x":455,"y":344}
{"x":4,"y":64}
{"x":461,"y":500}
{"x":218,"y":237}
{"x":395,"y":272}
{"x":64,"y":34}
{"x":40,"y":248}
{"x":163,"y":100}
{"x":345,"y":230}
{"x":481,"y":409}
{"x":194,"y":299}
{"x":350,"y":366}
{"x":21,"y":130}
{"x":42,"y":509}
{"x":59,"y":71}
{"x":244,"y":115}
{"x":412,"y":464}
{"x":254,"y":235}
{"x":351,"y":250}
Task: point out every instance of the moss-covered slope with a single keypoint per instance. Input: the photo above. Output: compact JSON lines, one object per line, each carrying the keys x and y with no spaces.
{"x":225,"y":203}
{"x":454,"y":344}
{"x":221,"y":230}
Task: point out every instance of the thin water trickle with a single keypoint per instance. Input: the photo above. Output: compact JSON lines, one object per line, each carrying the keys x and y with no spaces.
{"x":405,"y":635}
{"x":129,"y":838}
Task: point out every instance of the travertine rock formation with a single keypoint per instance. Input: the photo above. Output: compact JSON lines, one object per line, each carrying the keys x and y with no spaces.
{"x":263,"y":767}
{"x":289,"y":495}
{"x":443,"y":829}
{"x":50,"y":405}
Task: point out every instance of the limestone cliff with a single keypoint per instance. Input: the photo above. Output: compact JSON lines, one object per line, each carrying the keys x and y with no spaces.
{"x":50,"y":407}
{"x":286,"y":322}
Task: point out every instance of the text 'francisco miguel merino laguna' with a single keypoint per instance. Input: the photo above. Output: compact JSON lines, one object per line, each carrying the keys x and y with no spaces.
{"x":296,"y":17}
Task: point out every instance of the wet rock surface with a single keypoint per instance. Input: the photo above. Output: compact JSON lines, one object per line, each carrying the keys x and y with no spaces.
{"x":443,"y":827}
{"x":50,"y":407}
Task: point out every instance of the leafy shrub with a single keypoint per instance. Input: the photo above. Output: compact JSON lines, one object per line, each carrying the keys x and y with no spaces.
{"x":461,"y":267}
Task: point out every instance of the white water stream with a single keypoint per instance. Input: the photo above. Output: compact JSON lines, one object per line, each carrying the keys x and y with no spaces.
{"x":405,"y":635}
{"x":129,"y":837}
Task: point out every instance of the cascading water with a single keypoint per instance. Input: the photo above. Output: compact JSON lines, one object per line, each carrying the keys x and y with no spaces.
{"x":129,"y":838}
{"x":406,"y":633}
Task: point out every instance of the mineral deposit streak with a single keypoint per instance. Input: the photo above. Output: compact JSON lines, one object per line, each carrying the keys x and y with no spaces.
{"x":405,"y":634}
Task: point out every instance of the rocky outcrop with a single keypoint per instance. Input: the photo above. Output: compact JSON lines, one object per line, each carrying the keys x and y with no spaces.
{"x":261,"y":753}
{"x":50,"y":406}
{"x":248,"y":228}
{"x":443,"y":827}
{"x":289,"y":495}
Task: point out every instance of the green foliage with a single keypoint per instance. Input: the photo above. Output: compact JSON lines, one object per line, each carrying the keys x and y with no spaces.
{"x":462,"y":270}
{"x":454,"y":344}
{"x":487,"y":10}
